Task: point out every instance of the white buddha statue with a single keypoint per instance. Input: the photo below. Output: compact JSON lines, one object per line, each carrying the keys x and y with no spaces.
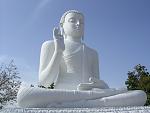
{"x":73,"y":67}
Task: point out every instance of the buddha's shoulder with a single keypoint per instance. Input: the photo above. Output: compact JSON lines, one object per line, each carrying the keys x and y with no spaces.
{"x":48,"y":44}
{"x":91,"y":51}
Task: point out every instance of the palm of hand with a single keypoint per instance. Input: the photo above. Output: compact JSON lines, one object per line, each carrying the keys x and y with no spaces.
{"x":58,"y":39}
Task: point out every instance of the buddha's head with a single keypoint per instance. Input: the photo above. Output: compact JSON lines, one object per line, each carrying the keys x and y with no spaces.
{"x":72,"y":24}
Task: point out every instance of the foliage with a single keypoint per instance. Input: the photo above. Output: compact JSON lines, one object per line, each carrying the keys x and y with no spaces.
{"x":139,"y":78}
{"x":50,"y":87}
{"x":9,"y":83}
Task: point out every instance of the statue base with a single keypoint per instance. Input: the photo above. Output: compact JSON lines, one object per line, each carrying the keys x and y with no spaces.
{"x":139,"y":109}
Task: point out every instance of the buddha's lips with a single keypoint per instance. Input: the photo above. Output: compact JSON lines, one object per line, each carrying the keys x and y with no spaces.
{"x":77,"y":28}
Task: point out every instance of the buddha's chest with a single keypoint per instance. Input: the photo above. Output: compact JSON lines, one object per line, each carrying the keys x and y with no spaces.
{"x":71,"y":70}
{"x":73,"y":61}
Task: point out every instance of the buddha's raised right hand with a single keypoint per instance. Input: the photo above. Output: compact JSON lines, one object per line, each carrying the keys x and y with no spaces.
{"x":58,"y":40}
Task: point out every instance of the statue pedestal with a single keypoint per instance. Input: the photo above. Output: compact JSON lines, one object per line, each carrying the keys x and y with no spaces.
{"x":140,"y":109}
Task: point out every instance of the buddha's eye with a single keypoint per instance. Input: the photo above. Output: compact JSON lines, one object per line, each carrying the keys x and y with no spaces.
{"x":72,"y":20}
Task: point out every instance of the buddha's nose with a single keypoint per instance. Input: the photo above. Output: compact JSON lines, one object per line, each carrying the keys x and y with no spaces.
{"x":78,"y":23}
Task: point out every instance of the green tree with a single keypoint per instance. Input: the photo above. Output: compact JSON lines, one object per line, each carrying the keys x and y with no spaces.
{"x":139,"y":79}
{"x":9,"y":83}
{"x":49,"y":87}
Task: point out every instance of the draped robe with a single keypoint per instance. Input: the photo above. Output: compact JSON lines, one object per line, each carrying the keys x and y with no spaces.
{"x":76,"y":66}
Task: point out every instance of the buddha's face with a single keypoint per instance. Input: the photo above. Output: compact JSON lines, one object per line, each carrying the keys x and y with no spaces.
{"x":74,"y":25}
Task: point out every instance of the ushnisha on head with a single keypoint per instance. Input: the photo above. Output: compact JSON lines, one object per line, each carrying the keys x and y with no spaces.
{"x":72,"y":24}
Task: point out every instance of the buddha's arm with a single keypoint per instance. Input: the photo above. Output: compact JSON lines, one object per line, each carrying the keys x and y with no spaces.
{"x":95,"y":65}
{"x":49,"y":63}
{"x":96,"y":79}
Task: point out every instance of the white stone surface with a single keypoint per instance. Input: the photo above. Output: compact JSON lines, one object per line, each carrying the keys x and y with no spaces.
{"x":79,"y":110}
{"x":39,"y":97}
{"x":74,"y":68}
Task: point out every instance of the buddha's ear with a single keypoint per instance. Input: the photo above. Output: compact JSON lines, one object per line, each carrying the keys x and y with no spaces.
{"x":83,"y":37}
{"x":61,"y":29}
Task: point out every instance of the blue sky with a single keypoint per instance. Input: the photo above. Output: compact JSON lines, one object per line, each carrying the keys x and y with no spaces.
{"x":118,"y":29}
